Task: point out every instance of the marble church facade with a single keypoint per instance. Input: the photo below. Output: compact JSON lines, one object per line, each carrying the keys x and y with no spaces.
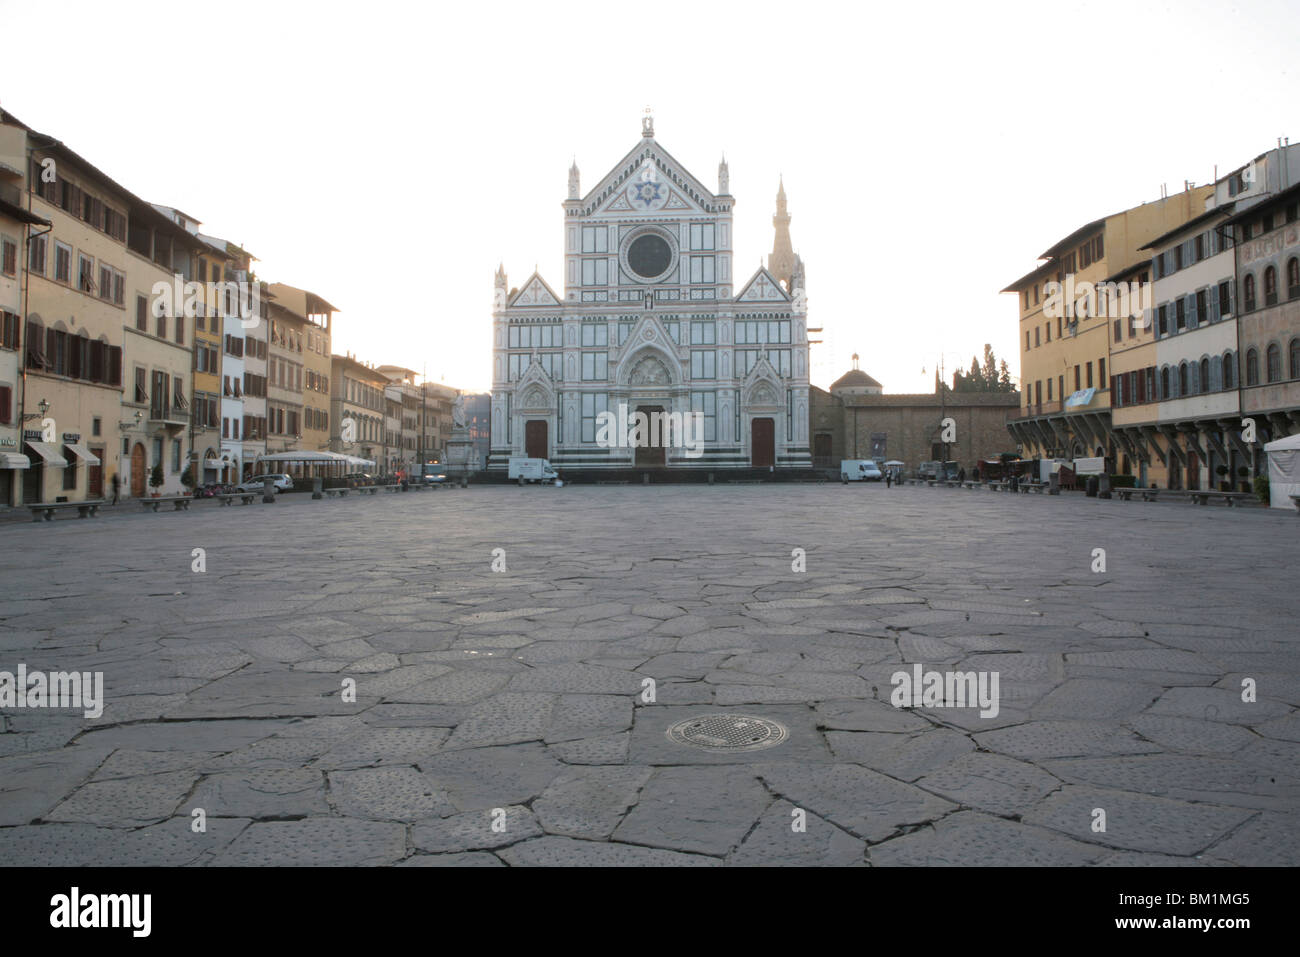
{"x":652,"y":318}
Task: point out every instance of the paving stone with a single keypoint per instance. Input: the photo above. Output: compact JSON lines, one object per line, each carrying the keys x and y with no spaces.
{"x":471,"y":859}
{"x":316,"y":842}
{"x":1052,"y":739}
{"x":126,"y":802}
{"x":577,"y":679}
{"x":570,"y":852}
{"x":493,"y":777}
{"x":460,"y":687}
{"x":703,"y":810}
{"x":389,"y":794}
{"x":774,"y":842}
{"x":903,"y":756}
{"x":261,"y":794}
{"x":507,"y":718}
{"x":1216,"y":704}
{"x":974,"y":839}
{"x":1191,"y":735}
{"x":1267,"y":840}
{"x":585,"y":716}
{"x":476,"y":830}
{"x":604,"y":749}
{"x":864,"y":802}
{"x":990,"y":782}
{"x":1217,"y":780}
{"x":589,"y":802}
{"x":1136,"y":821}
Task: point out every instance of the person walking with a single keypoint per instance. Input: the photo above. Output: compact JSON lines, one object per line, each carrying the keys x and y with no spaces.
{"x":117,"y":487}
{"x":889,"y":478}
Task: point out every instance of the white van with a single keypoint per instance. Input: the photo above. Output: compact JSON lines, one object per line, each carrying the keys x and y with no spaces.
{"x":531,"y":470}
{"x":860,"y":470}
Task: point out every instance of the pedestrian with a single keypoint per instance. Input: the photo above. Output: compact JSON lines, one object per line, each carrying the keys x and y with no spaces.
{"x":117,"y":486}
{"x":961,"y":475}
{"x":889,"y":478}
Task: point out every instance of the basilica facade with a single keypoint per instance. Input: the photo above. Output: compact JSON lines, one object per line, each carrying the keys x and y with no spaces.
{"x":653,"y":319}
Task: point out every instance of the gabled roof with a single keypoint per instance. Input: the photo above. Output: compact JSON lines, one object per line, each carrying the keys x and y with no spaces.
{"x":535,"y":292}
{"x":647,"y":149}
{"x":765,"y":286}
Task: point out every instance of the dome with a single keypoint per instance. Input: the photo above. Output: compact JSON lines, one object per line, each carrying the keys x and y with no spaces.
{"x":858,"y":381}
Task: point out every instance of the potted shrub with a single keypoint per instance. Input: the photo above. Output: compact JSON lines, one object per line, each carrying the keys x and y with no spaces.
{"x":1225,"y":484}
{"x":156,"y":479}
{"x":187,"y":479}
{"x":1261,"y":488}
{"x":1242,"y":473}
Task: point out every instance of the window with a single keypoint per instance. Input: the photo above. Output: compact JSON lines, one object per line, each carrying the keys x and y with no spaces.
{"x":595,"y":272}
{"x":1274,"y":355}
{"x":9,"y":256}
{"x":1088,"y":367}
{"x":6,"y":404}
{"x":1164,"y":383}
{"x":1248,"y":291}
{"x":1205,"y":375}
{"x":1026,"y":340}
{"x":702,"y":364}
{"x":1038,"y":393}
{"x":706,"y":404}
{"x":1037,"y":340}
{"x":703,"y":334}
{"x":36,"y":255}
{"x":593,"y":334}
{"x":141,"y":391}
{"x":1047,"y":331}
{"x":1049,"y":390}
{"x":702,"y":269}
{"x":9,"y":326}
{"x":1077,"y":381}
{"x":1202,"y":311}
{"x":1118,"y":332}
{"x":176,"y":455}
{"x":1162,"y":320}
{"x":595,"y":239}
{"x":1182,"y":379}
{"x":1293,"y":278}
{"x":1252,"y":367}
{"x":1101,"y":372}
{"x":1294,"y":359}
{"x":702,"y":236}
{"x":85,"y":273}
{"x":592,"y":406}
{"x":1180,"y":313}
{"x":1270,"y":286}
{"x":62,"y":262}
{"x":1228,"y":375}
{"x":595,"y":365}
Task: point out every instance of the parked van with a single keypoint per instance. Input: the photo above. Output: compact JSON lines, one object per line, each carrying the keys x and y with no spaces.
{"x":860,"y":470}
{"x":531,"y":470}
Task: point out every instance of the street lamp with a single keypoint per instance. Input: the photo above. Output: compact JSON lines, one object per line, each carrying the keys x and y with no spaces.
{"x":44,"y":407}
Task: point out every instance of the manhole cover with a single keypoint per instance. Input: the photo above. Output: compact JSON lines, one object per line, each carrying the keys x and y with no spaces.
{"x":728,"y":732}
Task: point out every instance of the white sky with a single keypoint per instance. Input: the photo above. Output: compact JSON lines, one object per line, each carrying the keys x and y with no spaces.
{"x":387,"y":156}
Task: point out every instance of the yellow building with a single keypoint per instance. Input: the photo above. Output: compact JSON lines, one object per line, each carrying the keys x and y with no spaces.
{"x":315,"y":354}
{"x":1066,"y":310}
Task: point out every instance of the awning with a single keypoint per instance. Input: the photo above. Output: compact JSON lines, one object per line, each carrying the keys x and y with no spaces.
{"x":83,"y":453}
{"x":49,"y":453}
{"x":12,"y":460}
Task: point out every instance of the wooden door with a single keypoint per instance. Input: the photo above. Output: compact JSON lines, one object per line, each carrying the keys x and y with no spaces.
{"x":138,"y":475}
{"x":1193,"y":471}
{"x":763,"y":443}
{"x":535,"y":444}
{"x":95,"y":475}
{"x":650,"y":453}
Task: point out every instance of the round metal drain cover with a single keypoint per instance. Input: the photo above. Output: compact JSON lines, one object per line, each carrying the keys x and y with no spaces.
{"x":728,"y":732}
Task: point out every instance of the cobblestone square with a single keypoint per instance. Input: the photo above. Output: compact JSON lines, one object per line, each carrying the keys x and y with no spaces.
{"x":519,"y":654}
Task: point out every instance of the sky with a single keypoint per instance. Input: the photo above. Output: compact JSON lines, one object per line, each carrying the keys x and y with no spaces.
{"x":388,"y":156}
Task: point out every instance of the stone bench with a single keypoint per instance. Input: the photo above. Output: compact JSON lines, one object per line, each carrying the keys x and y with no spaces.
{"x":1202,"y":497}
{"x":180,"y":502}
{"x":367,"y":489}
{"x":245,"y":498}
{"x":1295,"y":500}
{"x":46,"y":510}
{"x":336,"y":492}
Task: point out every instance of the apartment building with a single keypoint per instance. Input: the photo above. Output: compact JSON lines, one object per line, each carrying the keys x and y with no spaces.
{"x":315,"y":355}
{"x":356,"y":408}
{"x":402,"y":415}
{"x":17,"y":225}
{"x":284,"y":402}
{"x":1065,"y":326}
{"x":435,"y":420}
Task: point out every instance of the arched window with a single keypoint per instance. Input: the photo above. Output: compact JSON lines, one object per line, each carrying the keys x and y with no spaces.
{"x":1252,"y":367}
{"x":1270,"y":286}
{"x":1205,"y":375}
{"x":1228,"y":376}
{"x":1274,"y":363}
{"x":1164,"y":383}
{"x":1182,"y":379}
{"x":1249,"y":294}
{"x":1295,"y":359}
{"x":1293,"y":278}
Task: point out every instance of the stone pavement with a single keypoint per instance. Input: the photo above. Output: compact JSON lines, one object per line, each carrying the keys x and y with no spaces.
{"x":500,"y":715}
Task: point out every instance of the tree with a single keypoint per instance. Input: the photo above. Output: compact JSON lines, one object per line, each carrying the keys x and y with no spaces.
{"x":990,"y":369}
{"x":1004,"y":379}
{"x":156,"y":476}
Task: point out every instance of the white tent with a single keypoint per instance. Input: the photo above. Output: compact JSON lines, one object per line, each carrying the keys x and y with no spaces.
{"x":1283,"y":471}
